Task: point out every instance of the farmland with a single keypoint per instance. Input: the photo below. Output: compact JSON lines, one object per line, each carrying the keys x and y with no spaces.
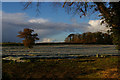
{"x":59,"y":50}
{"x":60,"y":61}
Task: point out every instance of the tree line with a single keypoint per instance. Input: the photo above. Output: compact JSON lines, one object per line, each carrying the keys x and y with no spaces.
{"x":89,"y":38}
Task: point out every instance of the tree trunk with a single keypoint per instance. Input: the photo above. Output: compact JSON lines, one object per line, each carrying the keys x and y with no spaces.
{"x":103,"y":10}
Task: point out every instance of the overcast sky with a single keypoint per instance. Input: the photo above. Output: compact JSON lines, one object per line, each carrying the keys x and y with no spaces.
{"x":51,"y":24}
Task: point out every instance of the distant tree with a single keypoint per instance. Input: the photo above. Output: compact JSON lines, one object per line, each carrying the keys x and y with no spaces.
{"x":89,"y":37}
{"x":67,"y":39}
{"x":30,"y":38}
{"x":99,"y":37}
{"x":83,"y":38}
{"x":107,"y":38}
{"x":71,"y":36}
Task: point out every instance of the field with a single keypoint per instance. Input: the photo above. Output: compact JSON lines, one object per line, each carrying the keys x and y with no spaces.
{"x":59,"y":50}
{"x":60,"y":61}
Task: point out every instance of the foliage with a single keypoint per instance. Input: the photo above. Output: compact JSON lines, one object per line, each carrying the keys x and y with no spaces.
{"x":29,"y":37}
{"x":89,"y":37}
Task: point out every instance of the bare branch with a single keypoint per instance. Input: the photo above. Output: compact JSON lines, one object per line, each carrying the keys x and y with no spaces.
{"x":27,"y":4}
{"x":64,"y":4}
{"x":71,"y":4}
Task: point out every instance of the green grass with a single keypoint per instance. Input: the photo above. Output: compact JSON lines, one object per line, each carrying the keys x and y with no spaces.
{"x":89,"y":67}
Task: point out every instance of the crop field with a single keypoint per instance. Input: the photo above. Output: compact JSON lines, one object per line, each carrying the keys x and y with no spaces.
{"x":59,"y":50}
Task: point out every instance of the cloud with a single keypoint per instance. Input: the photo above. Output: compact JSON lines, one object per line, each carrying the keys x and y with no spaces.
{"x":95,"y":26}
{"x":16,"y":18}
{"x":11,"y":25}
{"x":41,"y":20}
{"x":15,"y":22}
{"x":47,"y":40}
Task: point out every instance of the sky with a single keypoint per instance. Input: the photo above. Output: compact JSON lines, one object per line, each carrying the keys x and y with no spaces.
{"x":53,"y":24}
